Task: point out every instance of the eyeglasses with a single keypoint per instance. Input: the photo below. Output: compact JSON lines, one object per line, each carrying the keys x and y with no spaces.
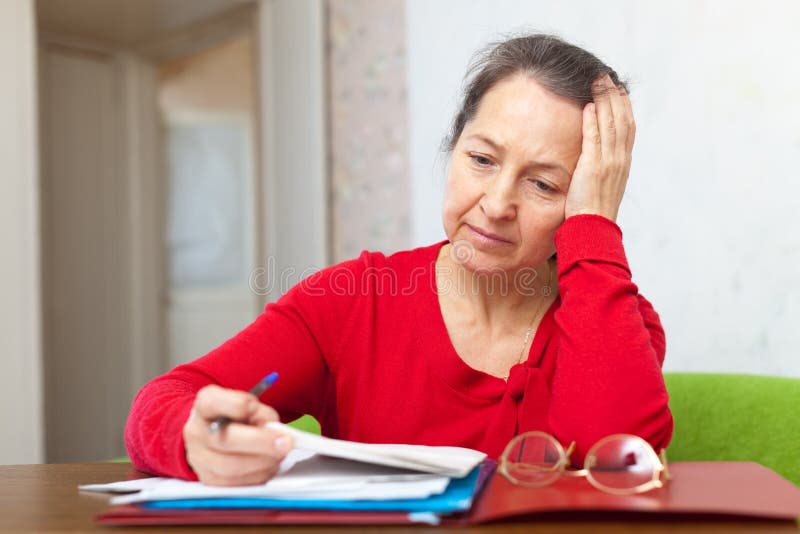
{"x":621,"y":464}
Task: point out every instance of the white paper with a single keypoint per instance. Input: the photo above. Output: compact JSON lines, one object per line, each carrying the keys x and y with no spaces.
{"x":303,"y":476}
{"x":355,"y":491}
{"x":456,"y":462}
{"x":321,"y":468}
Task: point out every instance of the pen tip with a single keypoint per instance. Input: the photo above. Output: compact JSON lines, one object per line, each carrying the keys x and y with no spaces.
{"x":271,"y":378}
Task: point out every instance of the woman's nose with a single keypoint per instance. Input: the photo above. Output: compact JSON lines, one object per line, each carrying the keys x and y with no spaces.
{"x":498,"y":201}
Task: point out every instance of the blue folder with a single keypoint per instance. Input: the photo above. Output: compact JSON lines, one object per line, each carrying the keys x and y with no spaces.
{"x":457,"y":497}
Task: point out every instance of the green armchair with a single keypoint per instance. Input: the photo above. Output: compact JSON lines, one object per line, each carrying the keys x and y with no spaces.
{"x":736,"y":418}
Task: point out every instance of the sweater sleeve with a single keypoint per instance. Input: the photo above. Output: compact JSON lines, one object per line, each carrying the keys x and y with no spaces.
{"x":298,"y":336}
{"x":608,"y":376}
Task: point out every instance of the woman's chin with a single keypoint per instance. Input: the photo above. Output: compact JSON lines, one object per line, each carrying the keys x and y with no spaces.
{"x":486,"y":264}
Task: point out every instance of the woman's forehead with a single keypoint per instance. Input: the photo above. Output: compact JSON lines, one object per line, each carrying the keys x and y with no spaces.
{"x":523,"y":100}
{"x":519,"y":114}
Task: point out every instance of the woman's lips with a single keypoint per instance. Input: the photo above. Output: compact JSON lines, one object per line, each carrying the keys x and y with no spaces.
{"x":487,"y":237}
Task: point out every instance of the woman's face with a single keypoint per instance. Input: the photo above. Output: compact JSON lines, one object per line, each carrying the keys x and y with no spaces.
{"x":509,"y":174}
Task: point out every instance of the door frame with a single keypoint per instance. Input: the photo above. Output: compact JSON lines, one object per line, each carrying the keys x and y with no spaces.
{"x":291,"y":149}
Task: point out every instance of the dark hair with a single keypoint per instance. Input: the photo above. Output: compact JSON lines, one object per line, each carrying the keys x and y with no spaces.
{"x":562,"y":68}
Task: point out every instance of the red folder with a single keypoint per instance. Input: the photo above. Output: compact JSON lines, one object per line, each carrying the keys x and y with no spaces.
{"x":743,"y":489}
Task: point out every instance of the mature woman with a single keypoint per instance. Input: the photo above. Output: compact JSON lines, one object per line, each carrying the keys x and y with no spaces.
{"x":526,"y":318}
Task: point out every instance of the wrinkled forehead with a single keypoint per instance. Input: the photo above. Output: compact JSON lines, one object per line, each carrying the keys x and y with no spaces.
{"x":522,"y":116}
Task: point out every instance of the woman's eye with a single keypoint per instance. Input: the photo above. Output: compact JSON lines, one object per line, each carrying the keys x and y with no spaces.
{"x":482,"y":161}
{"x":542,"y":186}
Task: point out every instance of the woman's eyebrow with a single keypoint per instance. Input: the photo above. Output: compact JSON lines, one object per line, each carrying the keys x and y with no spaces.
{"x":488,"y":141}
{"x":501,"y":148}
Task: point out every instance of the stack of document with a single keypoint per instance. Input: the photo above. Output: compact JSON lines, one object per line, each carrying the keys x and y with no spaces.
{"x":327,"y":474}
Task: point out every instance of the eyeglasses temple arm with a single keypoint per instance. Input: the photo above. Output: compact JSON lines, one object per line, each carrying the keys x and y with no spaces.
{"x":663,"y":457}
{"x":569,"y":451}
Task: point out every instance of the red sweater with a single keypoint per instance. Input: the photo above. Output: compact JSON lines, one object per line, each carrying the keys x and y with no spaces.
{"x":362,"y":346}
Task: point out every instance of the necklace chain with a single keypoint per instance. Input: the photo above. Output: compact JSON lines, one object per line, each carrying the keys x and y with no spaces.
{"x":529,"y":331}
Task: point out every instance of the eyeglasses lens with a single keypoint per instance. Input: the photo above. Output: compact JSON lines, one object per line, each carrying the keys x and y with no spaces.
{"x":534,"y":459}
{"x":621,"y":464}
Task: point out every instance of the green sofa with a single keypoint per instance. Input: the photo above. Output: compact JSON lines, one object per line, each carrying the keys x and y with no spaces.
{"x":737,"y":418}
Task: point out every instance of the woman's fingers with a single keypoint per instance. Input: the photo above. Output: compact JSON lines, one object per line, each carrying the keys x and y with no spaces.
{"x":591,"y":148}
{"x":214,"y":401}
{"x":222,"y":469}
{"x":263,"y":415}
{"x":244,"y":451}
{"x":626,"y":99}
{"x":605,"y":116}
{"x":620,"y":116}
{"x":615,"y":118}
{"x":601,"y":173}
{"x":246,"y":439}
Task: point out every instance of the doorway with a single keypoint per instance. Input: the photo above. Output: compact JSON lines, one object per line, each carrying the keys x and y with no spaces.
{"x":207,"y":108}
{"x":150,"y":200}
{"x":109,"y":239}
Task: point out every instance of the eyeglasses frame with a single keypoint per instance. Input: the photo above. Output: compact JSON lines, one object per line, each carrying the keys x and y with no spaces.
{"x":660,"y":470}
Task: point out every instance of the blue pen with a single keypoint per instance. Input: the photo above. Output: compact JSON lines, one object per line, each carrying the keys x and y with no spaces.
{"x":263,"y":385}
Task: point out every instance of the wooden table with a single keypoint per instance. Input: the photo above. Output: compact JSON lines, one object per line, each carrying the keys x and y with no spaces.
{"x":45,"y":498}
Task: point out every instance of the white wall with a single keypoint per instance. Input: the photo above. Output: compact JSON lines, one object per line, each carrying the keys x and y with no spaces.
{"x":20,"y":350}
{"x":710,"y":214}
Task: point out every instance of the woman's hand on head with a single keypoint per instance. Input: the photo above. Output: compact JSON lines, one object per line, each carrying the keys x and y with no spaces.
{"x":243,"y":452}
{"x":601,"y":174}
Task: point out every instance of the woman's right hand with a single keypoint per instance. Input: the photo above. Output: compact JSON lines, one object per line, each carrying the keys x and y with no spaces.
{"x":242,"y":453}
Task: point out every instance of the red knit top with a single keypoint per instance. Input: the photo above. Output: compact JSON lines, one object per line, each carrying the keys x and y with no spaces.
{"x":362,"y":346}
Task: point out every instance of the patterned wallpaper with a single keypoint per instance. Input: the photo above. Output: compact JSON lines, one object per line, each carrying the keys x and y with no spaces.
{"x":368,"y":126}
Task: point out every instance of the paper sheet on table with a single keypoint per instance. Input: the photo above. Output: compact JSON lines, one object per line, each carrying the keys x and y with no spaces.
{"x":456,"y":462}
{"x":303,"y":475}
